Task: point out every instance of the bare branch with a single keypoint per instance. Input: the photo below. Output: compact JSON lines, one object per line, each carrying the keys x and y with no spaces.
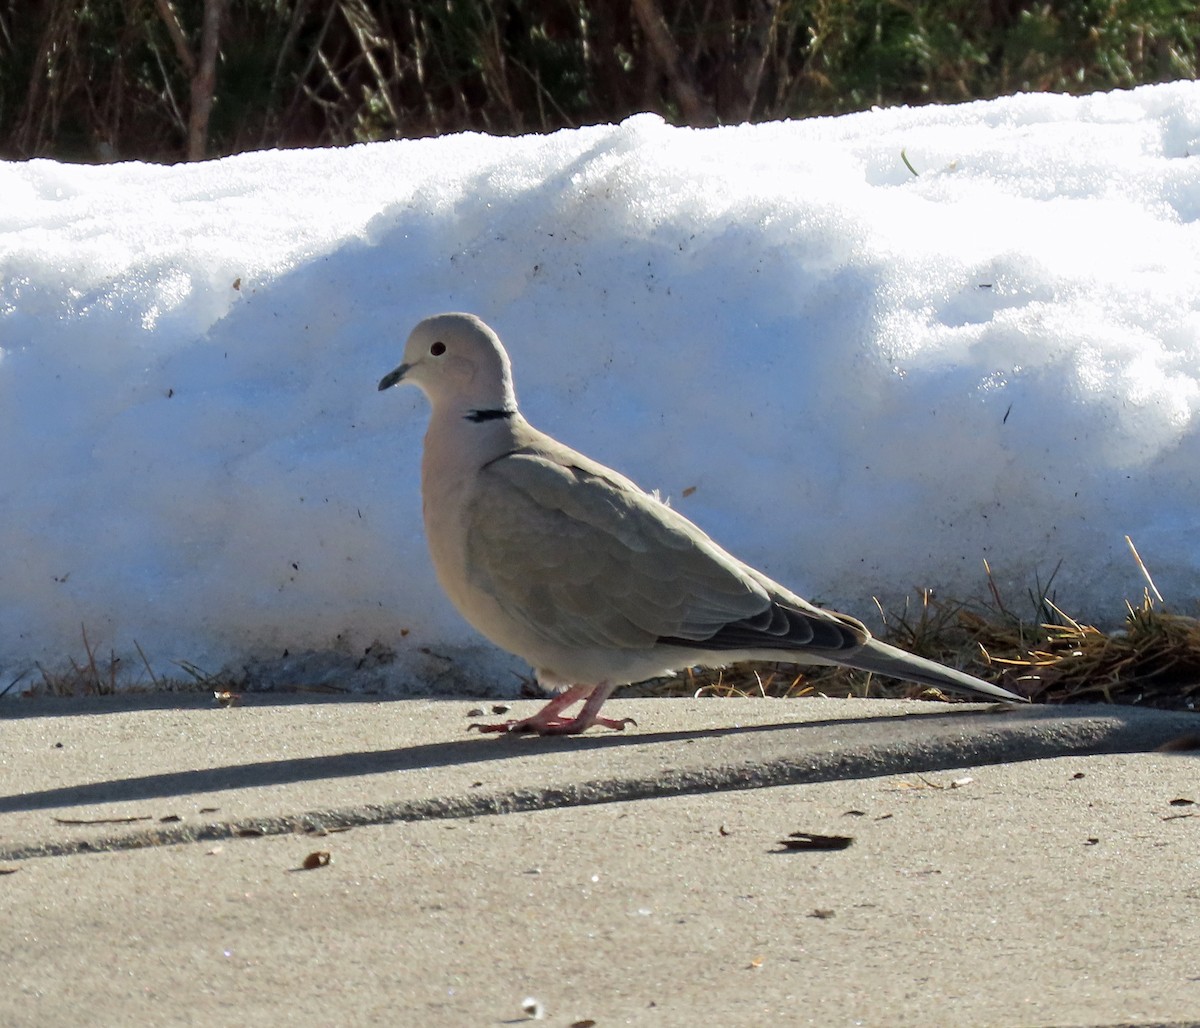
{"x":204,"y":81}
{"x":758,"y":44}
{"x":696,"y":110}
{"x":271,"y":114}
{"x":175,"y":31}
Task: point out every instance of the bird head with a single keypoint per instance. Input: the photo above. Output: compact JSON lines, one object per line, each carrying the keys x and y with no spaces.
{"x":456,"y":359}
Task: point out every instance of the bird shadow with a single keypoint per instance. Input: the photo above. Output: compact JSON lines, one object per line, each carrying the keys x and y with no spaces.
{"x":423,"y":756}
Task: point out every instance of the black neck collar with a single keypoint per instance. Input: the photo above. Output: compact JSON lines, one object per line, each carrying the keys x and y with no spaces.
{"x":488,"y":415}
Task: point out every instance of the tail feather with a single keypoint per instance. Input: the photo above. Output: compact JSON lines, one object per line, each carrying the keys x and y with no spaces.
{"x":882,"y":659}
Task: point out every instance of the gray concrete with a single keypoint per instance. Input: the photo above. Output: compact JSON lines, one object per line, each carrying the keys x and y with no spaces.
{"x":1020,"y":867}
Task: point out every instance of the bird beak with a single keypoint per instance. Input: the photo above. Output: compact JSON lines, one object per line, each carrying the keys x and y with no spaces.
{"x":392,"y":377}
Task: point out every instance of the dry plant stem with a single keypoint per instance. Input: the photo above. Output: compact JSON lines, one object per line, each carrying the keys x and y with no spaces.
{"x":368,"y":36}
{"x":11,"y":685}
{"x":149,"y":669}
{"x":94,"y":675}
{"x":992,"y":587}
{"x":1145,"y":572}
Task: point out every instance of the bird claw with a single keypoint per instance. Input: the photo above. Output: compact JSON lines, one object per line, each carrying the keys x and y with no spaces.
{"x":528,"y":726}
{"x":554,"y":726}
{"x":550,"y":720}
{"x":616,"y":724}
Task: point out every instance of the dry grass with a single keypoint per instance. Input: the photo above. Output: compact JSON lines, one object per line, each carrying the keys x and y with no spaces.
{"x":97,"y":675}
{"x":1153,"y":659}
{"x":91,"y":677}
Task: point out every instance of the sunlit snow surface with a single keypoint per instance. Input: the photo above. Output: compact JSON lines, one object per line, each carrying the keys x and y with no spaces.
{"x":862,"y":381}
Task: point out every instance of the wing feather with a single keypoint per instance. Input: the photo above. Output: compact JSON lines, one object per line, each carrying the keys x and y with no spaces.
{"x":588,"y":559}
{"x":584,"y":557}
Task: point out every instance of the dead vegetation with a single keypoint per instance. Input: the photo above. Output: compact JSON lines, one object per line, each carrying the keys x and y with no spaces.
{"x":1152,"y":659}
{"x":103,"y":80}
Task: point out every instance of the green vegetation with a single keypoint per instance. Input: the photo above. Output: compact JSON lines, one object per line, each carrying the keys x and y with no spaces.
{"x":170,"y":80}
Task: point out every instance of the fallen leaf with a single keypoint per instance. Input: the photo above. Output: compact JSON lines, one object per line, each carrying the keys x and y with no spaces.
{"x":756,"y":963}
{"x":813,"y":841}
{"x":823,"y":914}
{"x":318,"y":858}
{"x":1182,"y":802}
{"x":9,"y":870}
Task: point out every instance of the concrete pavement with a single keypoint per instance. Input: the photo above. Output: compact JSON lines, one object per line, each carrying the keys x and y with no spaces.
{"x":1027,"y":867}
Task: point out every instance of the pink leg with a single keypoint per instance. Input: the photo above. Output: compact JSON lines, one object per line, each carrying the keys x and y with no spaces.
{"x":590,"y":715}
{"x":550,"y":720}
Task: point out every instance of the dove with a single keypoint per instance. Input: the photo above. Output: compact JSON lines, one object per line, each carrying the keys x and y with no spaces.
{"x":576,"y":569}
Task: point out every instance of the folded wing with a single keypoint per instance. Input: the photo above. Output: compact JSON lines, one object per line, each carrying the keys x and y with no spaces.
{"x":583,"y":557}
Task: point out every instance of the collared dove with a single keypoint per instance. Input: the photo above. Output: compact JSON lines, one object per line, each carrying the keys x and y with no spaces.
{"x":574,"y":568}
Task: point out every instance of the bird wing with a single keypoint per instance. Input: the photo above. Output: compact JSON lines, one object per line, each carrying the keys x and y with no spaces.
{"x":585,"y":558}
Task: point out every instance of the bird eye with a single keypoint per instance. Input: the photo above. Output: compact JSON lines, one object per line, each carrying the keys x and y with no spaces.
{"x":437,"y":349}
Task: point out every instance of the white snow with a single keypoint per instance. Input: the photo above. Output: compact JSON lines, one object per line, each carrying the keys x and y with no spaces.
{"x":862,"y":381}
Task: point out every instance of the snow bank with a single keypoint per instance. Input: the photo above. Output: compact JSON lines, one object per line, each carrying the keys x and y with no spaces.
{"x":861,"y":380}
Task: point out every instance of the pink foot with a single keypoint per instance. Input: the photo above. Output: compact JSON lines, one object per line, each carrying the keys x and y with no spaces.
{"x":550,"y":720}
{"x":552,"y":726}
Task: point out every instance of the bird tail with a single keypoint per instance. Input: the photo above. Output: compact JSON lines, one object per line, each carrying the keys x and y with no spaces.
{"x":881,"y":659}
